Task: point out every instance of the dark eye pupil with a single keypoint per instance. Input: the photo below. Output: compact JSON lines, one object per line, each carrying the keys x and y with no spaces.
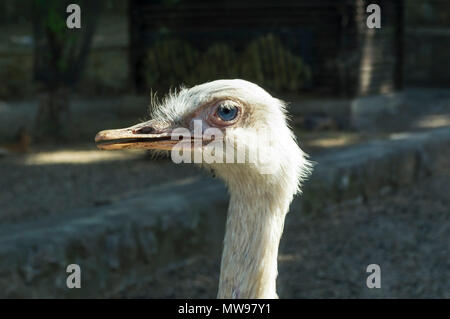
{"x":227,"y":113}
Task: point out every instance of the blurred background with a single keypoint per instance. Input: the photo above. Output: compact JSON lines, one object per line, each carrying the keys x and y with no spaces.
{"x":372,"y":104}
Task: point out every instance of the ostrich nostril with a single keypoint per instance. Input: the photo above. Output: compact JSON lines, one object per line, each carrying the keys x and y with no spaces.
{"x":144,"y":130}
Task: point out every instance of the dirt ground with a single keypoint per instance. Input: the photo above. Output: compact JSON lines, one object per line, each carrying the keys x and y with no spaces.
{"x":325,"y":255}
{"x":57,"y":182}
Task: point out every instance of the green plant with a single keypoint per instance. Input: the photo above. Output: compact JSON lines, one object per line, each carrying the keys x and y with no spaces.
{"x":264,"y":61}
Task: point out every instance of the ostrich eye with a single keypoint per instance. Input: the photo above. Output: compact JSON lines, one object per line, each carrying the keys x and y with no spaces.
{"x":227,"y":112}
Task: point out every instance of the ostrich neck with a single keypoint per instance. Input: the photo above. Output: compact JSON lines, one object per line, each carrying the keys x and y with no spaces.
{"x":253,"y":231}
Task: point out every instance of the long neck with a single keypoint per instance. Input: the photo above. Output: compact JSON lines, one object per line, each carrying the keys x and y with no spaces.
{"x":254,"y":226}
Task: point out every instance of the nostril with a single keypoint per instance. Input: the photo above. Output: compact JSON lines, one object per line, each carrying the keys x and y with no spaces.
{"x":144,"y":130}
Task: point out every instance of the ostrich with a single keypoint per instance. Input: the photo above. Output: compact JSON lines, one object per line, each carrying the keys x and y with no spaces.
{"x":259,"y":201}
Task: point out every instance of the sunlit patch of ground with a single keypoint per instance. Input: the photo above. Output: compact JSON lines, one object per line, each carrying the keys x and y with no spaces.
{"x":338,"y":140}
{"x":321,"y":141}
{"x":78,"y":157}
{"x":433,"y":121}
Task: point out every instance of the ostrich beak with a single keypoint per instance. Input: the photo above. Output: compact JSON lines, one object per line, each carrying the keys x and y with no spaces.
{"x":140,"y":136}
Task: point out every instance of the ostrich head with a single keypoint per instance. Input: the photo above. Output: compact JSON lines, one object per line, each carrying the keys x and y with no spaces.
{"x":229,"y":117}
{"x":225,"y":118}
